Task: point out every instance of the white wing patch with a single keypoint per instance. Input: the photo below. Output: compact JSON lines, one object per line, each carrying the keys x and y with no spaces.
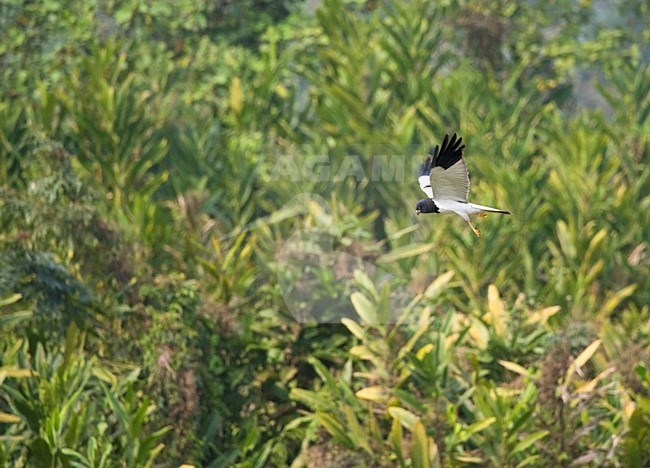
{"x":425,"y":185}
{"x":450,"y":184}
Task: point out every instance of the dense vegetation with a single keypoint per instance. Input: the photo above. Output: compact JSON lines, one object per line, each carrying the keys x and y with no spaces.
{"x":200,"y":265}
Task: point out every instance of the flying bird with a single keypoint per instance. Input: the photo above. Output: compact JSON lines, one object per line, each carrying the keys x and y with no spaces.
{"x":444,"y":179}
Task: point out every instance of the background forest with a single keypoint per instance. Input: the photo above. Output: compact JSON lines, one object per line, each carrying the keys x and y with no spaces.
{"x":198,"y":265}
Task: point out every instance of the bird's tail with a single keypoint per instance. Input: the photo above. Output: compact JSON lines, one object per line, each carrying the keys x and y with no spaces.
{"x":489,"y":209}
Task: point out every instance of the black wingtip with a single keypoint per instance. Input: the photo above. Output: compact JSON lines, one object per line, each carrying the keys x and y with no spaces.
{"x":449,"y":153}
{"x":445,"y":142}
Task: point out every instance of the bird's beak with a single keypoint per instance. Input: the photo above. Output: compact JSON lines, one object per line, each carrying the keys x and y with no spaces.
{"x":417,"y":212}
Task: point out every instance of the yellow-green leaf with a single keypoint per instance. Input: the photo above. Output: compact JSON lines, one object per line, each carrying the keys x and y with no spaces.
{"x":587,"y":354}
{"x":565,"y":240}
{"x":497,"y":312}
{"x":324,"y":373}
{"x":506,"y":392}
{"x":17,"y":372}
{"x":528,"y":441}
{"x":364,"y":308}
{"x":468,"y":459}
{"x":8,"y":418}
{"x":103,"y":374}
{"x":542,"y":316}
{"x":595,"y":242}
{"x":376,"y":393}
{"x":362,"y":352}
{"x":354,"y":328}
{"x":308,"y":398}
{"x":582,"y":359}
{"x":236,"y":99}
{"x":335,"y":428}
{"x":403,"y":232}
{"x":479,"y":332}
{"x":371,"y":376}
{"x":514,"y":367}
{"x":591,"y":385}
{"x":15,"y":317}
{"x":480,"y":426}
{"x":420,"y":457}
{"x":424,"y":350}
{"x":395,"y":437}
{"x":404,"y":416}
{"x":364,"y":280}
{"x":438,"y":284}
{"x":422,"y":329}
{"x":10,"y":299}
{"x":616,"y":298}
{"x":411,"y":250}
{"x":356,"y":432}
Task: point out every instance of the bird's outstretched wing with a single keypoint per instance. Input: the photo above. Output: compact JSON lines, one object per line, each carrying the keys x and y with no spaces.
{"x":443,"y":175}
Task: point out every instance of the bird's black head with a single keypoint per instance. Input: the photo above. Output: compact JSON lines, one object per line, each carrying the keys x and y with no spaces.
{"x":426,"y":205}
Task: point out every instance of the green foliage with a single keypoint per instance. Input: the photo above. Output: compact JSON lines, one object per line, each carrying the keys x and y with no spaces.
{"x":61,"y":408}
{"x":59,"y":297}
{"x":637,"y":443}
{"x":208,"y":253}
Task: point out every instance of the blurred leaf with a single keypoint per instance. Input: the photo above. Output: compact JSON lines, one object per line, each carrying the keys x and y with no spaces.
{"x":335,"y":429}
{"x":236,"y":95}
{"x":375,"y":393}
{"x":435,"y":288}
{"x":8,"y":418}
{"x":309,"y":398}
{"x":420,"y":450}
{"x":17,"y":372}
{"x":11,"y":299}
{"x":614,"y":299}
{"x":542,"y":316}
{"x":356,"y":432}
{"x":404,"y":416}
{"x":582,"y":359}
{"x":325,"y":375}
{"x":587,"y":354}
{"x":528,"y":441}
{"x":354,"y":328}
{"x":14,"y":318}
{"x":405,"y":252}
{"x":514,"y":367}
{"x":591,"y":385}
{"x":478,"y":427}
{"x":395,"y":438}
{"x":364,"y":308}
{"x":497,"y":313}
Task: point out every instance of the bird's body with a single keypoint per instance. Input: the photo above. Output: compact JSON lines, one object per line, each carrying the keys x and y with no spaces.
{"x":444,"y":179}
